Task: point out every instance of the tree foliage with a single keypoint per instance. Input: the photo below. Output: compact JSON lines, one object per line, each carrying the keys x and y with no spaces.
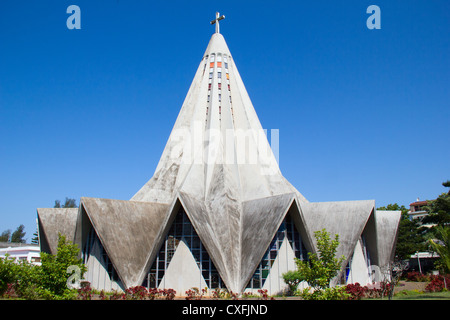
{"x":53,"y":271}
{"x":322,"y":266}
{"x":18,"y":235}
{"x":5,"y":236}
{"x":318,"y":270}
{"x":47,"y":281}
{"x":439,"y":209}
{"x":410,"y":237}
{"x":442,"y":246}
{"x":68,"y":203}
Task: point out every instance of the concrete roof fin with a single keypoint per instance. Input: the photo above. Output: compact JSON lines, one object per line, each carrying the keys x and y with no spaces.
{"x":345,"y":218}
{"x":128,"y":231}
{"x":53,"y":221}
{"x":387,"y":223}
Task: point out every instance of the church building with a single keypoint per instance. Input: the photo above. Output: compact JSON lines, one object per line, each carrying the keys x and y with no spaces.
{"x":217,"y":212}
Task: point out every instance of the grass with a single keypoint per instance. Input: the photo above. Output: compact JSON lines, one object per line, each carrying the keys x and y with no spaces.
{"x":414,"y":295}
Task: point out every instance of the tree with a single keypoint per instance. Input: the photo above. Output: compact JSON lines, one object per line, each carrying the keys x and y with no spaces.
{"x":390,"y":276}
{"x":410,"y":238}
{"x":35,"y":239}
{"x":319,"y":269}
{"x":394,"y":207}
{"x":292,"y":278}
{"x":53,"y":270}
{"x":439,"y":209}
{"x":69,"y":203}
{"x":17,"y":236}
{"x":447,"y":185}
{"x":46,"y":281}
{"x":5,"y":236}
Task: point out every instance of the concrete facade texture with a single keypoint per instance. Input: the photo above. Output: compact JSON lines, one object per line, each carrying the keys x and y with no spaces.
{"x":222,"y":171}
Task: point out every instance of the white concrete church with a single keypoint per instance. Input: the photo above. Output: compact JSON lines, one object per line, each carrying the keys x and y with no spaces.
{"x":217,"y":212}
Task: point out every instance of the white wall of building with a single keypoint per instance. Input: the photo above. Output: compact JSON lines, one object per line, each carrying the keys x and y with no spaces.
{"x":29,"y":253}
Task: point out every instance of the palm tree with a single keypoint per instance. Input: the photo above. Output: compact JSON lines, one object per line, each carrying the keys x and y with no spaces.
{"x":442,"y":246}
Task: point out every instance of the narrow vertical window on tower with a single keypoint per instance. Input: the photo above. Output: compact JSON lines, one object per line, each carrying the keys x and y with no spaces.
{"x":225,"y":61}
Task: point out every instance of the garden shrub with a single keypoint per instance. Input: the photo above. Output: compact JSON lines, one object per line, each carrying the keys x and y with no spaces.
{"x":53,"y":270}
{"x":437,"y":283}
{"x":21,"y":279}
{"x":415,"y":276}
{"x":318,"y":270}
{"x":331,"y":293}
{"x":194,"y":294}
{"x":356,"y":291}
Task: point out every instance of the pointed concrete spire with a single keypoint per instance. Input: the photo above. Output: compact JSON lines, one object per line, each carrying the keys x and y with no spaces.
{"x":217,"y":159}
{"x":217,"y":127}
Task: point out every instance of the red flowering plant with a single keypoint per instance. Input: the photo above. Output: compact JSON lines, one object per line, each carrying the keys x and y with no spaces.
{"x":169,"y":294}
{"x":136,"y":293}
{"x":194,"y":294}
{"x":116,"y":295}
{"x":10,"y":291}
{"x":153,"y":293}
{"x":356,"y":291}
{"x":416,"y":277}
{"x":378,"y":290}
{"x":438,"y":283}
{"x":85,"y":293}
{"x":265,"y":295}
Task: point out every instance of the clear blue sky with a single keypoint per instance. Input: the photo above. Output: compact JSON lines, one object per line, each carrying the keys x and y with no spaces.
{"x":362,"y":114}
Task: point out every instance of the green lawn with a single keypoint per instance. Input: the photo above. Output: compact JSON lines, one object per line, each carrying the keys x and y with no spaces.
{"x":423,"y":296}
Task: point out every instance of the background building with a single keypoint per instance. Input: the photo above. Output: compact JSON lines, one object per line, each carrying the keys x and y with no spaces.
{"x":21,"y":251}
